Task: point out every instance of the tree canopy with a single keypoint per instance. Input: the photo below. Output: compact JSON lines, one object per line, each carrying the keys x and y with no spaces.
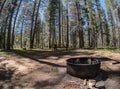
{"x":64,"y":23}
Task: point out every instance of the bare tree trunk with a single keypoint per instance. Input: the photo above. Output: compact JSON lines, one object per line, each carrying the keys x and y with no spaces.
{"x":89,"y":40}
{"x":119,"y":37}
{"x":9,"y":32}
{"x":113,"y":30}
{"x":2,"y":6}
{"x":4,"y":33}
{"x":99,"y":16}
{"x":119,"y":26}
{"x":119,"y":13}
{"x":22,"y":34}
{"x":13,"y":37}
{"x":50,"y":34}
{"x":107,"y":33}
{"x":59,"y":23}
{"x":53,"y":33}
{"x":35,"y":26}
{"x":4,"y":38}
{"x":81,"y":41}
{"x":67,"y":40}
{"x":102,"y":38}
{"x":32,"y":24}
{"x":42,"y":38}
{"x":74,"y":40}
{"x":1,"y":36}
{"x":10,"y":25}
{"x":62,"y":29}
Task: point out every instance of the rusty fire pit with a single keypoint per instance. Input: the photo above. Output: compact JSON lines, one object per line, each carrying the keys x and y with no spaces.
{"x":84,"y":67}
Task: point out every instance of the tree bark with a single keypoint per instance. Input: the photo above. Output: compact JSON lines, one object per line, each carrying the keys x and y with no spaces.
{"x":50,"y":33}
{"x":59,"y":23}
{"x":67,"y":40}
{"x":32,"y":24}
{"x":4,"y":33}
{"x":35,"y":25}
{"x":9,"y":32}
{"x":13,"y":30}
{"x":10,"y":25}
{"x":2,"y":6}
{"x":21,"y":36}
{"x":79,"y":25}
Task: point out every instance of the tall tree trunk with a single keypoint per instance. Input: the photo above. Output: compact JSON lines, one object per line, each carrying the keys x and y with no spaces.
{"x":119,"y":13}
{"x":102,"y":40}
{"x":9,"y":32}
{"x":119,"y":26}
{"x":59,"y":23}
{"x":35,"y":25}
{"x":13,"y":30}
{"x":1,"y":36}
{"x":42,"y":37}
{"x":4,"y":38}
{"x":22,"y":34}
{"x":4,"y":33}
{"x":50,"y":34}
{"x":107,"y":33}
{"x":89,"y":40}
{"x":89,"y":23}
{"x":2,"y":6}
{"x":67,"y":40}
{"x":74,"y":39}
{"x":32,"y":24}
{"x":62,"y":30}
{"x":113,"y":30}
{"x":53,"y":33}
{"x":100,"y":20}
{"x":10,"y":25}
{"x":119,"y":37}
{"x":79,"y":25}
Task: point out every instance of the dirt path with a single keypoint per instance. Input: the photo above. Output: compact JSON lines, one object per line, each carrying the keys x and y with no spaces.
{"x":47,"y":70}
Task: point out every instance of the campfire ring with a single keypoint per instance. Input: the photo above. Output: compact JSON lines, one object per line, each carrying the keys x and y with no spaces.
{"x":83,"y":67}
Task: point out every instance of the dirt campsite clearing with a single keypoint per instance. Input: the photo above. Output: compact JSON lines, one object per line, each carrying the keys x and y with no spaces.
{"x":47,"y":70}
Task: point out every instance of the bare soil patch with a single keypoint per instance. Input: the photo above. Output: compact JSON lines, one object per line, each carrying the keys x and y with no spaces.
{"x":47,"y":70}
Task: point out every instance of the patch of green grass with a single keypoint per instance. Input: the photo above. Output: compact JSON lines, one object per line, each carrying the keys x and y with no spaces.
{"x":105,"y":50}
{"x":38,"y":49}
{"x":12,"y":51}
{"x":111,"y":50}
{"x":21,"y":51}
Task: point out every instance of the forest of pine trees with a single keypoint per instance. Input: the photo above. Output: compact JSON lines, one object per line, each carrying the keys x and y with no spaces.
{"x":64,"y":23}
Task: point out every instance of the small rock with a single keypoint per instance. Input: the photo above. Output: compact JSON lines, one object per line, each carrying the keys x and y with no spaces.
{"x":91,"y":83}
{"x":85,"y":82}
{"x":100,"y":84}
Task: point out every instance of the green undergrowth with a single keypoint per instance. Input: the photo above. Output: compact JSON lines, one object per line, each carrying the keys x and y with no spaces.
{"x":111,"y":50}
{"x":22,"y":51}
{"x":106,"y":50}
{"x":12,"y":51}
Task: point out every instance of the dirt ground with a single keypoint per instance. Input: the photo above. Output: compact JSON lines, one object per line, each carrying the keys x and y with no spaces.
{"x":47,"y":70}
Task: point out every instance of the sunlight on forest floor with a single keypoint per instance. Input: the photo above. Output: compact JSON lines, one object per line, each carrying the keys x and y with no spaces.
{"x":105,"y":50}
{"x":36,"y":69}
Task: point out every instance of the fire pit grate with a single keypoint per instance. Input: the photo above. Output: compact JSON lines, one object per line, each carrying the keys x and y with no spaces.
{"x":84,"y":67}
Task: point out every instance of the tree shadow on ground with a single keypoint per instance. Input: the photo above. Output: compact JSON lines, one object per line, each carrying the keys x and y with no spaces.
{"x":39,"y":56}
{"x":49,"y":82}
{"x":111,"y":78}
{"x":51,"y":64}
{"x":102,"y":59}
{"x":110,"y":71}
{"x":43,"y":54}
